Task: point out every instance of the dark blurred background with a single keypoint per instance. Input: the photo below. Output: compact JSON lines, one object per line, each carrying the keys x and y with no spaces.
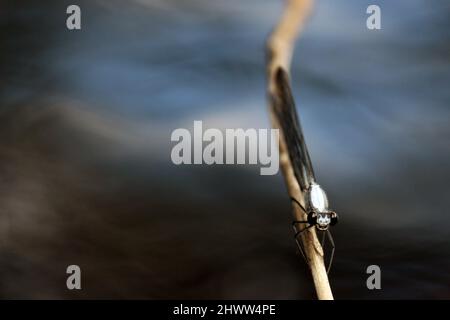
{"x":85,"y":170}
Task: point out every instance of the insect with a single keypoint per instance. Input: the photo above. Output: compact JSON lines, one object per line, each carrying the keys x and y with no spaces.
{"x":318,"y":213}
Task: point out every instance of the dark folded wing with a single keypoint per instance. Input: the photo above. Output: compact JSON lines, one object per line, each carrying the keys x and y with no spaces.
{"x":287,"y":116}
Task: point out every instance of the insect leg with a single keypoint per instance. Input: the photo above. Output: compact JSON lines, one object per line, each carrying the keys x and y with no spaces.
{"x":300,"y":246}
{"x":333,"y":247}
{"x":323,"y":240}
{"x":298,"y":221}
{"x":297,"y":233}
{"x":298,"y":203}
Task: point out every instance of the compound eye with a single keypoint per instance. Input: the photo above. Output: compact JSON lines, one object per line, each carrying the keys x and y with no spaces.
{"x":312,"y":218}
{"x":334,"y":218}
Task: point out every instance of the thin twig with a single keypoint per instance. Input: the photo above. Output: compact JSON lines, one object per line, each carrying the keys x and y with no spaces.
{"x":279,"y":52}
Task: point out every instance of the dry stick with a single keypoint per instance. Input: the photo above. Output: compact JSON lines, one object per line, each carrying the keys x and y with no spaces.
{"x":279,"y":52}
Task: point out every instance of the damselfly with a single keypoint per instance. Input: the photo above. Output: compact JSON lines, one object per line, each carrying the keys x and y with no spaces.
{"x":317,"y":211}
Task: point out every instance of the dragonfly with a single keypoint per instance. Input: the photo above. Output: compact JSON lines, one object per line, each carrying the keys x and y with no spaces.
{"x":317,"y":208}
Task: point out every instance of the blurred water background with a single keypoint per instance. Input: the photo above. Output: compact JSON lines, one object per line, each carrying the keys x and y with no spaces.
{"x":85,"y":170}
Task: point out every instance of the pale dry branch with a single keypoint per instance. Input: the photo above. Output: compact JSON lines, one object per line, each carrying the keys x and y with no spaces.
{"x":280,"y":47}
